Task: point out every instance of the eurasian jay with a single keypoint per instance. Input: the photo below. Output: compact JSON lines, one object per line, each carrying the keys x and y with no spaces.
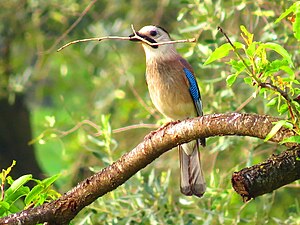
{"x":174,"y":92}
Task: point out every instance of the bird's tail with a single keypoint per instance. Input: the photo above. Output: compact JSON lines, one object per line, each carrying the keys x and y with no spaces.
{"x":192,"y":181}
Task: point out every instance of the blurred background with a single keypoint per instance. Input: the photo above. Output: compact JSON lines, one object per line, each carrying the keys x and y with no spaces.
{"x":54,"y":105}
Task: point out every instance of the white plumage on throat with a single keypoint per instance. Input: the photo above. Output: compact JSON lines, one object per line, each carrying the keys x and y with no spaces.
{"x":165,"y":52}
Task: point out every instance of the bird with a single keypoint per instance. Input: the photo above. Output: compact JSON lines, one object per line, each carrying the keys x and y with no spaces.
{"x":175,"y":93}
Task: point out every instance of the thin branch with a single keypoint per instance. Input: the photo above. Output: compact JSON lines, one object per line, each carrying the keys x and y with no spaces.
{"x":72,"y":26}
{"x":247,"y":101}
{"x":292,"y":107}
{"x":94,"y":39}
{"x":134,"y":32}
{"x":62,"y":133}
{"x":141,"y":101}
{"x":276,"y":89}
{"x":80,"y":124}
{"x":283,"y":94}
{"x":238,"y":54}
{"x":136,"y":36}
{"x":135,"y":126}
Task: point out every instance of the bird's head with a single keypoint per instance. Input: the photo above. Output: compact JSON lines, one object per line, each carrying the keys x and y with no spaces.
{"x":154,"y":34}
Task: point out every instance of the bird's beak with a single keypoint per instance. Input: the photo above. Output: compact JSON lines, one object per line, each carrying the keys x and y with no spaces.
{"x":149,"y":39}
{"x":133,"y":37}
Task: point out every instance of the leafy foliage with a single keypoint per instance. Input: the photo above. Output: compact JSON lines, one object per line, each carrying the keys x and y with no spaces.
{"x":15,"y":195}
{"x":295,"y":18}
{"x":264,"y":75}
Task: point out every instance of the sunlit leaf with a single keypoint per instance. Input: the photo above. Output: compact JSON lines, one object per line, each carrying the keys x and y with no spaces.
{"x":246,"y":35}
{"x":248,"y":80}
{"x":275,"y":129}
{"x":296,"y":25}
{"x":222,"y":51}
{"x":35,"y":194}
{"x":280,"y":50}
{"x":50,"y":120}
{"x":231,"y":79}
{"x":293,"y":139}
{"x":5,"y":172}
{"x":283,"y":108}
{"x":288,"y":70}
{"x":19,"y":193}
{"x":272,"y":102}
{"x":251,"y":49}
{"x":16,"y":185}
{"x":288,"y":11}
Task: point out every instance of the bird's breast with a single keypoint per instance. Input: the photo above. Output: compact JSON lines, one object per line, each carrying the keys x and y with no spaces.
{"x":169,"y":91}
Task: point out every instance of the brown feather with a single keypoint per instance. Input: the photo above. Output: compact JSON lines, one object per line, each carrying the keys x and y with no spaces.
{"x":192,"y":181}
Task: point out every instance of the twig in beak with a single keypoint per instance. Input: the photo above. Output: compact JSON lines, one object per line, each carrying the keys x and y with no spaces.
{"x":136,"y":36}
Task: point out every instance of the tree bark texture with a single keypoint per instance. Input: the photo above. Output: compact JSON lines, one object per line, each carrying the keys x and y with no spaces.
{"x":64,"y":209}
{"x":265,"y":177}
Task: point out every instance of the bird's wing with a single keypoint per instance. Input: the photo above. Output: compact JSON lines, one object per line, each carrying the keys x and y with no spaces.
{"x":193,"y":86}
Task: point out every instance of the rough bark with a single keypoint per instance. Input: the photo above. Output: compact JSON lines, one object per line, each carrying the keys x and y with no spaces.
{"x":265,"y":177}
{"x":64,"y":209}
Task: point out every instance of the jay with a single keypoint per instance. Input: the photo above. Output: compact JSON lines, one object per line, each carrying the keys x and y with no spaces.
{"x":174,"y":92}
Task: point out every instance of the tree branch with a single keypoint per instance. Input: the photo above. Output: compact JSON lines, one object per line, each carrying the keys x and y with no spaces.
{"x":64,"y":209}
{"x":265,"y":177}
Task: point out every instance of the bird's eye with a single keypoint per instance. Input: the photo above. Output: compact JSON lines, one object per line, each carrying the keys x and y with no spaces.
{"x":153,"y":33}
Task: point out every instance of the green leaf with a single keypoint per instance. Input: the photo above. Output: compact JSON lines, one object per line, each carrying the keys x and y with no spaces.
{"x":248,"y":80}
{"x":4,"y":205}
{"x":166,"y":176}
{"x":33,"y":194}
{"x":251,"y":49}
{"x":288,"y":70}
{"x":272,"y":102}
{"x":283,"y":108}
{"x":4,"y":208}
{"x":22,"y":191}
{"x":16,"y":185}
{"x":231,"y":79}
{"x":280,"y":50}
{"x":36,"y":192}
{"x":249,"y":37}
{"x":293,"y":139}
{"x":221,"y":52}
{"x":239,"y":66}
{"x":288,"y":11}
{"x":4,"y":173}
{"x":275,"y":129}
{"x":296,"y":25}
{"x":50,"y":180}
{"x":278,"y":65}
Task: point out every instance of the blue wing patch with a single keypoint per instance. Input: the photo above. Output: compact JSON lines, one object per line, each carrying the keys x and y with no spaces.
{"x":194,"y":91}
